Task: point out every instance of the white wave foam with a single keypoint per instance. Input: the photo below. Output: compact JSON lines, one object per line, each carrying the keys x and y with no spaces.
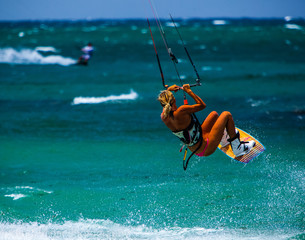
{"x":15,"y":196}
{"x":94,"y":100}
{"x":96,"y":229}
{"x":106,"y":229}
{"x":45,"y":49}
{"x":33,"y":189}
{"x":219,"y":22}
{"x":171,"y":24}
{"x":30,"y":56}
{"x":257,"y":103}
{"x":19,"y":192}
{"x":293,"y":26}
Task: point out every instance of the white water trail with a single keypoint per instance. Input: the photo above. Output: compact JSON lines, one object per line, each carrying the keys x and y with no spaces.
{"x":95,"y":100}
{"x":33,"y":56}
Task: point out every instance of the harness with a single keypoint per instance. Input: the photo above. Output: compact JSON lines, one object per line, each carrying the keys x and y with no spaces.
{"x":190,"y":136}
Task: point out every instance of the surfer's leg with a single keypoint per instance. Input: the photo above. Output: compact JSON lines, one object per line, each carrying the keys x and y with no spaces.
{"x":206,"y":127}
{"x":209,"y":122}
{"x":224,"y":121}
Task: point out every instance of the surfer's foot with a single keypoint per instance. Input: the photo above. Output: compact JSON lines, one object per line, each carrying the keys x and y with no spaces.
{"x":240,"y":148}
{"x":224,"y":141}
{"x":225,"y":138}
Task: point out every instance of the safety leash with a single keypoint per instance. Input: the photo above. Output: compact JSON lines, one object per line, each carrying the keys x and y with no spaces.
{"x":185,"y":163}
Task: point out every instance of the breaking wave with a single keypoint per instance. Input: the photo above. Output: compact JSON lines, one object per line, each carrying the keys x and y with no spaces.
{"x":18,"y":192}
{"x":45,"y":49}
{"x":94,"y":229}
{"x":95,"y":100}
{"x":33,"y":56}
{"x":219,"y":22}
{"x":293,"y":26}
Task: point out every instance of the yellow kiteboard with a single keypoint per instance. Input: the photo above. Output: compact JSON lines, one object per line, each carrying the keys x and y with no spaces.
{"x":254,"y":152}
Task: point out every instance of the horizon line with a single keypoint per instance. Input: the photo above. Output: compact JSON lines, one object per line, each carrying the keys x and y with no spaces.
{"x":144,"y":19}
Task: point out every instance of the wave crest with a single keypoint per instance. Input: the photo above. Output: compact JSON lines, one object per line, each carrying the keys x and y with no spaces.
{"x":95,"y":100}
{"x":97,"y":229}
{"x":30,"y":56}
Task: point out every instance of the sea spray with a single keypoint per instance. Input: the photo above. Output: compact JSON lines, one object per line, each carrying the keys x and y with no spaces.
{"x":30,"y":56}
{"x":95,"y":100}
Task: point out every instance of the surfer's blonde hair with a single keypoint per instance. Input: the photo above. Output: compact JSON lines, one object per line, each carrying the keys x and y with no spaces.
{"x":166,"y":99}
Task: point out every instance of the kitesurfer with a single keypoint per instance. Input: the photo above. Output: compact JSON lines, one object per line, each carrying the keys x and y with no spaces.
{"x":87,"y":53}
{"x":202,"y":139}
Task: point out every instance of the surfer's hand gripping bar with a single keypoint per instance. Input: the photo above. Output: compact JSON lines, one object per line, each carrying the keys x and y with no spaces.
{"x":196,"y":84}
{"x":176,"y":88}
{"x":191,"y":85}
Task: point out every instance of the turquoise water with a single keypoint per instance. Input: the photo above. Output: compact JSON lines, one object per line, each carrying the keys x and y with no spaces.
{"x":84,"y":154}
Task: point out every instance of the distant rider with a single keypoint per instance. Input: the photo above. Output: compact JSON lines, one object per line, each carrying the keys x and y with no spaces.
{"x":87,"y":50}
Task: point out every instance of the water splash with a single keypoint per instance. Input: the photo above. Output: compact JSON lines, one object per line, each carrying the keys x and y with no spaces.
{"x":95,"y":100}
{"x":19,"y":192}
{"x":106,"y":229}
{"x":30,"y":56}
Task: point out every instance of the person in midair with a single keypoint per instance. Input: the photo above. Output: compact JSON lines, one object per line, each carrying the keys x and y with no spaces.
{"x":202,"y":139}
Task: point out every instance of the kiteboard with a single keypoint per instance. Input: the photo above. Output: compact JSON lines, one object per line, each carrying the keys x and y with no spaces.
{"x":254,"y":152}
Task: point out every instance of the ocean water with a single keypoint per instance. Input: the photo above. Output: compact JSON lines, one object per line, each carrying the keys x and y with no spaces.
{"x":84,"y":154}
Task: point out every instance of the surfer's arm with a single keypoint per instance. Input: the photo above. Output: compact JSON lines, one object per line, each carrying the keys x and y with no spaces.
{"x":189,"y":109}
{"x":200,"y":105}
